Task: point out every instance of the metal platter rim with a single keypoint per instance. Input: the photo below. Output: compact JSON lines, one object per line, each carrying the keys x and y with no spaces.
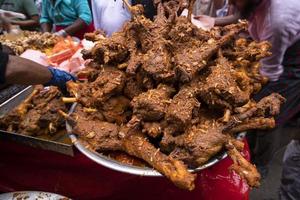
{"x":33,"y":195}
{"x":121,"y":167}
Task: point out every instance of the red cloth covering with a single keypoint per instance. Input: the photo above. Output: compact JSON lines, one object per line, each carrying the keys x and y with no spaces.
{"x":80,"y":34}
{"x":25,"y":168}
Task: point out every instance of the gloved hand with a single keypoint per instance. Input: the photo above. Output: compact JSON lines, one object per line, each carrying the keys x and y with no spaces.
{"x":61,"y":33}
{"x":59,"y":79}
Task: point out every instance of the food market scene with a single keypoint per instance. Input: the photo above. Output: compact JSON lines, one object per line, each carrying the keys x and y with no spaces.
{"x":149,"y":99}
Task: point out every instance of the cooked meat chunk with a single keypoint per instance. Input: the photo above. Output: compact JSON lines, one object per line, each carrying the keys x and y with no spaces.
{"x":116,"y":110}
{"x":152,"y":104}
{"x":153,"y":129}
{"x":38,"y":114}
{"x":181,"y":109}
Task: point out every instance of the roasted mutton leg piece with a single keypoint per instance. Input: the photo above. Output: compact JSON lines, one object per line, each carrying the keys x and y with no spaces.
{"x":108,"y":83}
{"x":243,"y":167}
{"x":255,"y":123}
{"x":11,"y":121}
{"x":106,"y":136}
{"x":137,"y":144}
{"x":267,"y":107}
{"x":132,"y":88}
{"x":188,"y":66}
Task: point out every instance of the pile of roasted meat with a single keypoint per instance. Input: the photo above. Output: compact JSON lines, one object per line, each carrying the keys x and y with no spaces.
{"x":165,"y":92}
{"x":38,"y":115}
{"x":29,"y":40}
{"x":173,"y":95}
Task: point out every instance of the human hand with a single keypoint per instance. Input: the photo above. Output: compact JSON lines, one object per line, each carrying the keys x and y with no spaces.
{"x":207,"y":21}
{"x":61,"y":33}
{"x":60,"y":78}
{"x":5,"y":23}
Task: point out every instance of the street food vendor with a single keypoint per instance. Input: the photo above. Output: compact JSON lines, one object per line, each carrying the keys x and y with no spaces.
{"x":26,"y":7}
{"x":70,"y":17}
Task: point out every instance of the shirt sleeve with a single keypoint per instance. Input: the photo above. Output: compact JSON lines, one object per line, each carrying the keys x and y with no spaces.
{"x":282,"y":33}
{"x":83,"y":11}
{"x":30,"y":7}
{"x":45,"y":18}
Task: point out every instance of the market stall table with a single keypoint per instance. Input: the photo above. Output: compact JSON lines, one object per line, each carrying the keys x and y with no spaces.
{"x":26,"y":168}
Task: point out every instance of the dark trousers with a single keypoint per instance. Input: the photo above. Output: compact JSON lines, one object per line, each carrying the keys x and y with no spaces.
{"x":290,"y":181}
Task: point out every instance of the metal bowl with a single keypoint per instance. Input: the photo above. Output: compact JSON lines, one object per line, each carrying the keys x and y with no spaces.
{"x":130,"y":169}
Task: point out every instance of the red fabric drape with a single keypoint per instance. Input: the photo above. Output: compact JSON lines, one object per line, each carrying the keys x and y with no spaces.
{"x":26,"y":168}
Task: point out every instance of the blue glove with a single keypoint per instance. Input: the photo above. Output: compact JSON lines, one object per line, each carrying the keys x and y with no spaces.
{"x":59,"y":79}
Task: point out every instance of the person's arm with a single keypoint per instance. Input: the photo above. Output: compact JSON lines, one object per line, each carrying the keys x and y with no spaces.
{"x":5,"y":23}
{"x":78,"y":25}
{"x":17,"y":70}
{"x":45,"y":20}
{"x":84,"y":17}
{"x":23,"y":71}
{"x":32,"y":22}
{"x":46,"y":27}
{"x":231,"y":19}
{"x":31,"y":10}
{"x":210,"y":22}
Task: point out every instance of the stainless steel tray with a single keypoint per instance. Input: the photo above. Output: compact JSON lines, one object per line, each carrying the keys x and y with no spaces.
{"x":14,"y":101}
{"x":56,"y":143}
{"x":31,"y":195}
{"x":130,"y":169}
